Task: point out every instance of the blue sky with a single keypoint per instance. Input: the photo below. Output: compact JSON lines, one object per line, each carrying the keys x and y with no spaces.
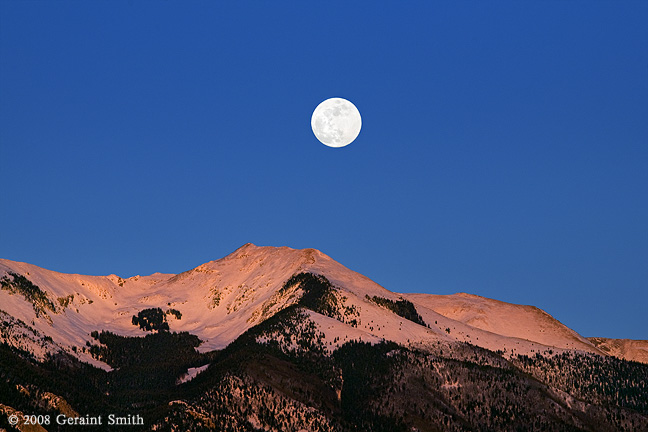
{"x":504,"y":147}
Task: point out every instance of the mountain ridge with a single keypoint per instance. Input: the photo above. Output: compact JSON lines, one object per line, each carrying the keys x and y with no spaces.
{"x":238,"y":286}
{"x":286,"y":339}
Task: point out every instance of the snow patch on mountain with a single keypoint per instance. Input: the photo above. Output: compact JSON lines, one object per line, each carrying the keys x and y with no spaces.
{"x":191,"y":374}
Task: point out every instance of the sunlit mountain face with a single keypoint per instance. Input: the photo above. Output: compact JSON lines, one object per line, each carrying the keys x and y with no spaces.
{"x":283,"y":339}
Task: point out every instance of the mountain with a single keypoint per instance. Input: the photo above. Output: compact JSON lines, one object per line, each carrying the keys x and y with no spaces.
{"x":506,"y":319}
{"x":285,"y":339}
{"x":628,"y":349}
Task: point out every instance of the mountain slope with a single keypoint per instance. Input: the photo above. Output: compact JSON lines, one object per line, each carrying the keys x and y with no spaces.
{"x":506,"y":319}
{"x":628,"y":349}
{"x":221,"y":299}
{"x":283,"y":339}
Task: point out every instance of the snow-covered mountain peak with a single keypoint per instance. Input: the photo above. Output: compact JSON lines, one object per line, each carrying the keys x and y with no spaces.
{"x":221,"y":299}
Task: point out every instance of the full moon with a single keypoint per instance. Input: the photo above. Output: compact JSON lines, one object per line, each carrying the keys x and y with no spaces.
{"x":336,"y":122}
